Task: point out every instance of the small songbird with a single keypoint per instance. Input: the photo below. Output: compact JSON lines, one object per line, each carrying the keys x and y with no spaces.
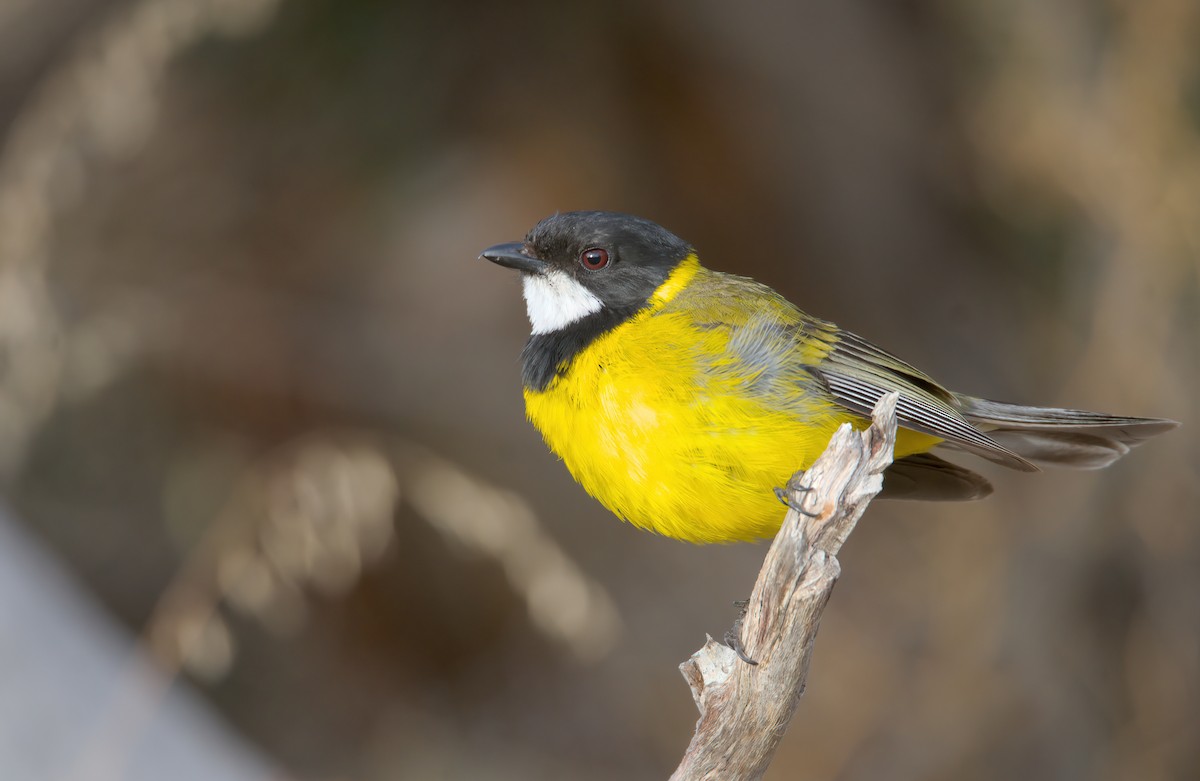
{"x":681,"y":397}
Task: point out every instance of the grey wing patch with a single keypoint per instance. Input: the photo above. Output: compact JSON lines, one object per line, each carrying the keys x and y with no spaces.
{"x":761,"y":349}
{"x":763,"y":352}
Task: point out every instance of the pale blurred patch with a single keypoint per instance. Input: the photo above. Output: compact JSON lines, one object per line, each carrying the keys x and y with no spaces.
{"x":562,"y":601}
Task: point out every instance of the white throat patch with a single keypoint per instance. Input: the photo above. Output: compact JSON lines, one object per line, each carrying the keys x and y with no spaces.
{"x":553,"y":300}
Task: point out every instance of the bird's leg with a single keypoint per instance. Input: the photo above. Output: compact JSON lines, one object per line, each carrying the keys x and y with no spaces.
{"x":733,"y":637}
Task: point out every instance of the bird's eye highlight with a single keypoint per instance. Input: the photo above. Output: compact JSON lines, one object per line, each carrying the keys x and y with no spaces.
{"x":594,"y":259}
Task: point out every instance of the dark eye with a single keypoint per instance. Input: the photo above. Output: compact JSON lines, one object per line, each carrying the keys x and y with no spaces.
{"x":594,"y":259}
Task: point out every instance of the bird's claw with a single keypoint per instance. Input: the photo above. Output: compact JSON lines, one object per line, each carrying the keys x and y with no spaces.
{"x":733,"y":637}
{"x":784,"y":496}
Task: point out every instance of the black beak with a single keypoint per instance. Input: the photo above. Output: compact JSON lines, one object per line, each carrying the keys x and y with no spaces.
{"x":513,"y":255}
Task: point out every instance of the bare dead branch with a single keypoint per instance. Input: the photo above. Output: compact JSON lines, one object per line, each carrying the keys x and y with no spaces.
{"x":745,"y":709}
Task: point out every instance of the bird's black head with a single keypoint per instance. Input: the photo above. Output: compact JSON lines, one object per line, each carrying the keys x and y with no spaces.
{"x":575,"y":264}
{"x":583,"y":274}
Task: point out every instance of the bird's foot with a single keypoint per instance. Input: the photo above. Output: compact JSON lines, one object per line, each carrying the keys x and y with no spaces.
{"x":785,"y":497}
{"x":733,"y":637}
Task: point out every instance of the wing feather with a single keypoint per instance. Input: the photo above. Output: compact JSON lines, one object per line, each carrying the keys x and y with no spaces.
{"x":857,"y":374}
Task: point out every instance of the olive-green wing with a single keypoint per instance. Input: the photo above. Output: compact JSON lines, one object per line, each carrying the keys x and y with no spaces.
{"x":854,"y":372}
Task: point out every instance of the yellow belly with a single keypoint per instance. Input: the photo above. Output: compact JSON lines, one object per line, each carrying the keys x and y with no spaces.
{"x":669,"y":447}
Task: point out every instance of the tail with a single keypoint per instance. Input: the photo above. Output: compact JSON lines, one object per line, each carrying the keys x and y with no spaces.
{"x":1061,"y":437}
{"x":1044,"y":435}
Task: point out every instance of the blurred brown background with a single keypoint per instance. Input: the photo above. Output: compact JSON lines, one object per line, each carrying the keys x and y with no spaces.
{"x":259,"y":397}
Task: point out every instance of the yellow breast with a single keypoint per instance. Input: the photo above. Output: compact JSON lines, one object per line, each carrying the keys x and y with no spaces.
{"x":653,"y":426}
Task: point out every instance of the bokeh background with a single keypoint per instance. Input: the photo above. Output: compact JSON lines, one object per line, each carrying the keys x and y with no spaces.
{"x":260,"y":404}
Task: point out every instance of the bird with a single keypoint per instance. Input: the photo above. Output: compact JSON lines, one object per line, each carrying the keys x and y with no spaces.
{"x":681,"y":397}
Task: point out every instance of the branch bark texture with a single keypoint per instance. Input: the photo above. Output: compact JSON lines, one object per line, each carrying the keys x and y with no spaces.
{"x":744,"y":708}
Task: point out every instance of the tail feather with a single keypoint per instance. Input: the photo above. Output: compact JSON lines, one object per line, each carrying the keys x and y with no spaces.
{"x":1061,"y":437}
{"x":926,"y":477}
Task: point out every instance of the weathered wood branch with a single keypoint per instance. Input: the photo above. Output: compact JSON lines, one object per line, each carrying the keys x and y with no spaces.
{"x":744,"y":708}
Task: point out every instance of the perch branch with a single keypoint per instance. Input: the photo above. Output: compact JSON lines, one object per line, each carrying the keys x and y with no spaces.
{"x":744,"y":708}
